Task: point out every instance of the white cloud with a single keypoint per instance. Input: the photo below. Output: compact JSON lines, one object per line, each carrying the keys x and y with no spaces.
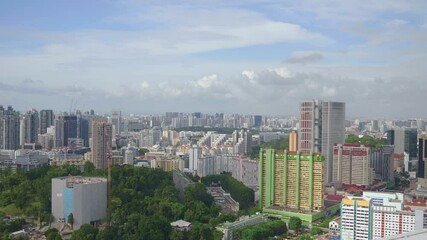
{"x":282,"y":72}
{"x":251,"y":75}
{"x":206,"y":81}
{"x":145,"y":85}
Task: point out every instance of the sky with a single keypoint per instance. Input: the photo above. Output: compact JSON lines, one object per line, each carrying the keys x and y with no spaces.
{"x":249,"y":57}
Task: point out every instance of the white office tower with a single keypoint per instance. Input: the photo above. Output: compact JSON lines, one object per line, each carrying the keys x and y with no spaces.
{"x":322,"y":124}
{"x":116,"y":120}
{"x":195,"y":154}
{"x":356,"y":217}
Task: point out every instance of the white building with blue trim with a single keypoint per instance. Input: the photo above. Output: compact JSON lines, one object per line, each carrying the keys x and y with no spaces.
{"x":84,"y":197}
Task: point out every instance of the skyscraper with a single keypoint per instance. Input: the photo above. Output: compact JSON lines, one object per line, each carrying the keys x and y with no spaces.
{"x":70,"y":128}
{"x":382,"y":163}
{"x":9,"y":128}
{"x":116,"y":120}
{"x":322,"y":124}
{"x":404,"y":140}
{"x":29,"y":127}
{"x":291,"y":180}
{"x":101,"y":143}
{"x":257,"y":120}
{"x":46,"y":120}
{"x":58,"y":140}
{"x":83,"y":130}
{"x":422,"y":157}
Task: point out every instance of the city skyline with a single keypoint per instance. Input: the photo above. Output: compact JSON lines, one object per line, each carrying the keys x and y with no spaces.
{"x":261,"y":57}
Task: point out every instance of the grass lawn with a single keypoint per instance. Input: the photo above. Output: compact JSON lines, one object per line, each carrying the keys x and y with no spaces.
{"x":11,"y":210}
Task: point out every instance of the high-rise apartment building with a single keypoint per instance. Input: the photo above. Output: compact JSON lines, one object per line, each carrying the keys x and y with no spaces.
{"x":9,"y":128}
{"x":322,"y":124}
{"x":195,"y":154}
{"x":390,"y":216}
{"x":291,"y":180}
{"x":293,"y":141}
{"x":351,"y":164}
{"x":29,"y":127}
{"x":101,"y":143}
{"x":46,"y":119}
{"x":356,"y":218}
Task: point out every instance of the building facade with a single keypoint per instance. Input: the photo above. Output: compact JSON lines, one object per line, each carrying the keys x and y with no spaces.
{"x":356,"y":218}
{"x":352,"y":164}
{"x":101,"y":144}
{"x":229,"y":229}
{"x":422,"y":157}
{"x":382,"y":163}
{"x":84,"y":197}
{"x":293,"y":141}
{"x":46,"y":119}
{"x":9,"y":128}
{"x":291,"y":180}
{"x":322,"y":124}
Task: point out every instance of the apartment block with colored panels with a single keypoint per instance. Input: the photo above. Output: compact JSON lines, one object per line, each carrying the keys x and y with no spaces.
{"x":291,"y":180}
{"x":356,"y":218}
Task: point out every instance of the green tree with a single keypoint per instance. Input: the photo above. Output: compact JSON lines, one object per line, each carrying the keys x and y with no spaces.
{"x":143,"y":151}
{"x":52,"y":234}
{"x":295,"y":223}
{"x":85,"y":232}
{"x":70,"y":220}
{"x":315,"y":231}
{"x":88,"y":168}
{"x":107,"y":234}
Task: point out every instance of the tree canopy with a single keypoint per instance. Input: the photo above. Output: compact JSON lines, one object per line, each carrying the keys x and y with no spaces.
{"x":374,"y":143}
{"x":295,"y":223}
{"x":263,"y":231}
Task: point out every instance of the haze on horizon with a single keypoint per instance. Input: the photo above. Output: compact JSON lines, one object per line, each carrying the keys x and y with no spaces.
{"x":261,"y":57}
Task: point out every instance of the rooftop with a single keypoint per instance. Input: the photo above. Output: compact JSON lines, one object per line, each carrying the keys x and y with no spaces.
{"x":82,"y":180}
{"x":180,"y":224}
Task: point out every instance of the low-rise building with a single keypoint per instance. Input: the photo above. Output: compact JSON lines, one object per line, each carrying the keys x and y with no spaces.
{"x":223,"y":199}
{"x":181,"y":225}
{"x":229,"y":229}
{"x":334,"y":227}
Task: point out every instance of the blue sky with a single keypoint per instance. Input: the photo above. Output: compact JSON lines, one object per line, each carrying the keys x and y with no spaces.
{"x":256,"y":57}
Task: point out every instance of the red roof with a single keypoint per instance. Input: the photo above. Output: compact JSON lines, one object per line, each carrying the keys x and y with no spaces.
{"x":416,"y":203}
{"x":336,"y":198}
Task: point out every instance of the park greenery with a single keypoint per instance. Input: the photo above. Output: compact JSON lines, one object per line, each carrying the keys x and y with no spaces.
{"x":295,"y":223}
{"x":242,"y":194}
{"x":144,"y":202}
{"x":264,"y":230}
{"x":282,"y":144}
{"x":372,"y":142}
{"x":143,"y":151}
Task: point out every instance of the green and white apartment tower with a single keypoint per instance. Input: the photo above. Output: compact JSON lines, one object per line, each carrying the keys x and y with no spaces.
{"x":291,"y":182}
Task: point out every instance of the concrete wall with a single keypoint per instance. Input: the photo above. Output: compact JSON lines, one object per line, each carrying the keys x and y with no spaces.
{"x":90,"y":203}
{"x":58,"y":186}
